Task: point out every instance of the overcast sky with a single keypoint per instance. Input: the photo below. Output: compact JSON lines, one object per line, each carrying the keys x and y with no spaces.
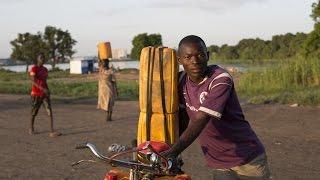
{"x":91,"y":21}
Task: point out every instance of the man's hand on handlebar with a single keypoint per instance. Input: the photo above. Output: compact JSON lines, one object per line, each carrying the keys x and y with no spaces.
{"x":175,"y":161}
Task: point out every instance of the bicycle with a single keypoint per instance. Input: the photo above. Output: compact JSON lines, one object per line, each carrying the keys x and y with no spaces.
{"x":147,"y":163}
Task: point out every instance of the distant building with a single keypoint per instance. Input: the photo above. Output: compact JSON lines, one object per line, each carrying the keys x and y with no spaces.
{"x":4,"y":62}
{"x":82,"y":65}
{"x":119,"y":53}
{"x":10,"y":62}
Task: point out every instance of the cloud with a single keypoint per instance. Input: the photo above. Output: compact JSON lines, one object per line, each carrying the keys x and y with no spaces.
{"x":127,"y":26}
{"x":110,"y":11}
{"x":12,"y":1}
{"x":206,"y":5}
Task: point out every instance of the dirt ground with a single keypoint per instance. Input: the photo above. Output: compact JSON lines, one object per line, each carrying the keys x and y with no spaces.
{"x":291,"y":136}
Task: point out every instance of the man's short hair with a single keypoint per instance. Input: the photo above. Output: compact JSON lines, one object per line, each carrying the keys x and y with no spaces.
{"x":191,"y":39}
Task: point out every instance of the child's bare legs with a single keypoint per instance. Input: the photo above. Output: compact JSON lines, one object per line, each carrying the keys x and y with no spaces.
{"x":31,"y":129}
{"x":109,"y":114}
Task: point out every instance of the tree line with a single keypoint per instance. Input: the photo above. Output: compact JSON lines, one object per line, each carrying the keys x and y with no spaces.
{"x":279,"y":47}
{"x":143,"y":40}
{"x":55,"y":43}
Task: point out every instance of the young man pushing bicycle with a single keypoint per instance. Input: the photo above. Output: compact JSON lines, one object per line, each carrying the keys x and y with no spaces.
{"x":208,"y":97}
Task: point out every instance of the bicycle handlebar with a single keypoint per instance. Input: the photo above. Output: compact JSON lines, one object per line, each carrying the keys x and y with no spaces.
{"x":131,"y":165}
{"x":82,"y":146}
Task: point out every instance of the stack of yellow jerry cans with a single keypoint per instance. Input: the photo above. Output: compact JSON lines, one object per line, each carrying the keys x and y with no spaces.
{"x":158,"y":95}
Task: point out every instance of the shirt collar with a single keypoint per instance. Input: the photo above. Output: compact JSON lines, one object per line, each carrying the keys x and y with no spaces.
{"x":204,"y":80}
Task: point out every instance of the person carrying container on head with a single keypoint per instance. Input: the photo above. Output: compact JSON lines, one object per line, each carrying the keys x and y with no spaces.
{"x":107,"y":88}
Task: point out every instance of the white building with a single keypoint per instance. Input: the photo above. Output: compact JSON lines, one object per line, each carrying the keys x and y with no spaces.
{"x":82,"y":65}
{"x":119,"y":53}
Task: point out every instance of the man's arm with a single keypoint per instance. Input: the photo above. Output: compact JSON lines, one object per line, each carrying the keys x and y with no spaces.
{"x":183,"y":120}
{"x":114,"y":82}
{"x":33,"y":82}
{"x":211,"y":109}
{"x":193,"y":130}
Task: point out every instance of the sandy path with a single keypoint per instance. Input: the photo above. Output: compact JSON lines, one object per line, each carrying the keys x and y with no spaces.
{"x":291,"y":137}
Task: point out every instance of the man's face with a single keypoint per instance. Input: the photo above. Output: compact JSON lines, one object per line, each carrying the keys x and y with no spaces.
{"x":194,"y":58}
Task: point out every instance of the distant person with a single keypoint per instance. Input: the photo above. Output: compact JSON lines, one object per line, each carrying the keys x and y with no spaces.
{"x":208,"y":98}
{"x":107,"y":88}
{"x":40,"y":94}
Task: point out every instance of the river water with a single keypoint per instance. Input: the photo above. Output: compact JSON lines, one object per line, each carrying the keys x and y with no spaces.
{"x":124,"y":65}
{"x":66,"y":66}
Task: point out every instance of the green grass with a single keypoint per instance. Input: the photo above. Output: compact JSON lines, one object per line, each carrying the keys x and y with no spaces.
{"x":14,"y":88}
{"x":11,"y":76}
{"x":291,"y":81}
{"x":243,"y":61}
{"x":126,"y":90}
{"x":20,"y":76}
{"x":129,"y":70}
{"x":18,"y":83}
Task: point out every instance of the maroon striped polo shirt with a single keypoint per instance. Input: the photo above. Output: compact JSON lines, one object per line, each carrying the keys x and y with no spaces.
{"x":227,"y":140}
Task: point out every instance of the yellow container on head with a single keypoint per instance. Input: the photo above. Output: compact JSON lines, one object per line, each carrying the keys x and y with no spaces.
{"x":104,"y":50}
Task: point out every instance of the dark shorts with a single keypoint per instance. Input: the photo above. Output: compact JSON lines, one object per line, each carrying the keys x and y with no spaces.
{"x":37,"y":101}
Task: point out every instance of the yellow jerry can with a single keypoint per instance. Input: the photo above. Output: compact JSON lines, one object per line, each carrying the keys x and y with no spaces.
{"x":104,"y":50}
{"x":158,"y":95}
